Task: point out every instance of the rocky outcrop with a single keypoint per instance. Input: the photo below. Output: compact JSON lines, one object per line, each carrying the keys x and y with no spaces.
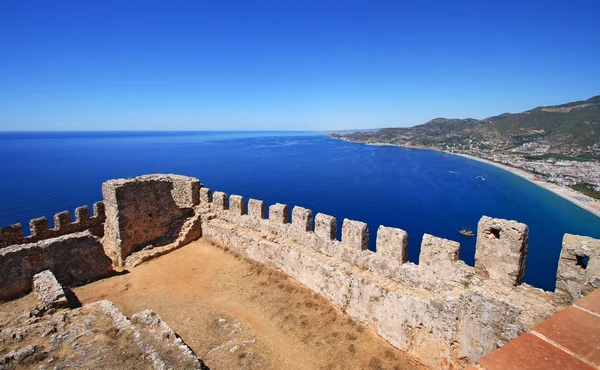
{"x":74,"y":259}
{"x":95,"y":336}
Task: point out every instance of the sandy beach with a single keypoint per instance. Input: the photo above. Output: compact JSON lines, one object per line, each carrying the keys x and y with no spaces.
{"x":587,"y":203}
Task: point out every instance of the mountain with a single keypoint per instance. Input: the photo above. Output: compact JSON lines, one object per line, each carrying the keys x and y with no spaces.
{"x":567,"y":128}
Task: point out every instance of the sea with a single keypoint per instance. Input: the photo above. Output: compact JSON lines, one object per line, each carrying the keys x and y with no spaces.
{"x":420,"y":191}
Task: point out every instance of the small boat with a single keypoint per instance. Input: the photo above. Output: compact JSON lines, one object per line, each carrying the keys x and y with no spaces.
{"x":466,"y":231}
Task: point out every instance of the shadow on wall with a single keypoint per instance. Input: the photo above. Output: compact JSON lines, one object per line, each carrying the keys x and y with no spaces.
{"x":147,"y":211}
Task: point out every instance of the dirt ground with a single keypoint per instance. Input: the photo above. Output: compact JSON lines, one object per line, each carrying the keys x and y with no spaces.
{"x":237,"y":314}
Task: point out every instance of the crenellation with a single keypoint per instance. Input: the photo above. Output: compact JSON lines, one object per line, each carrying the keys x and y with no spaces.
{"x":439,"y":310}
{"x":237,"y":205}
{"x":355,"y":235}
{"x":279,"y":213}
{"x":82,"y":215}
{"x":437,"y":252}
{"x":220,"y":201}
{"x":326,"y":226}
{"x":12,"y":234}
{"x":442,"y":311}
{"x":194,"y":191}
{"x":205,"y":195}
{"x":62,"y":221}
{"x":38,"y":228}
{"x":501,"y":250}
{"x":578,"y":268}
{"x":302,"y":219}
{"x":256,"y":209}
{"x":99,"y":211}
{"x":392,"y":244}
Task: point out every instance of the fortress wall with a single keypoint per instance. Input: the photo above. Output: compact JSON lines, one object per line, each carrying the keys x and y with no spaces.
{"x":148,"y":210}
{"x":76,"y":258}
{"x":40,"y":230}
{"x":442,"y":311}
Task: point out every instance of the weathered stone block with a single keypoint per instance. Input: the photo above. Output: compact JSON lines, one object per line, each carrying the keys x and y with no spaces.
{"x":256,"y":209}
{"x":82,"y":215}
{"x":99,"y":211}
{"x":62,"y":220}
{"x":12,"y":234}
{"x":501,"y":250}
{"x":392,"y":244}
{"x":237,"y":206}
{"x":48,"y":291}
{"x":279,"y":213}
{"x":325,"y":226}
{"x":355,"y":235}
{"x":205,"y":195}
{"x":578,"y":268}
{"x":220,"y":200}
{"x":302,"y":219}
{"x":38,"y":227}
{"x":438,"y":251}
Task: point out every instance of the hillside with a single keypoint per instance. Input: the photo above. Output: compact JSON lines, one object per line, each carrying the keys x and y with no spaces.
{"x":572,"y":128}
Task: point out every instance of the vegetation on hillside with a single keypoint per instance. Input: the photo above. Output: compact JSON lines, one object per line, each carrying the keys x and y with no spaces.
{"x":572,"y":128}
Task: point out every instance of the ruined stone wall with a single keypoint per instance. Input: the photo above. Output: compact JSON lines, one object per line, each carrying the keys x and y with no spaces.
{"x":442,"y":311}
{"x":40,"y":230}
{"x":146,"y":211}
{"x":74,"y":259}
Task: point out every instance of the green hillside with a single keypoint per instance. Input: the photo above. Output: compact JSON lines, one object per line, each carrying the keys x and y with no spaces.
{"x":566,"y":128}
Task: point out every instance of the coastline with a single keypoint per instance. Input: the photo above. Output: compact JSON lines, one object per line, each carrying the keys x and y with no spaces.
{"x":581,"y":200}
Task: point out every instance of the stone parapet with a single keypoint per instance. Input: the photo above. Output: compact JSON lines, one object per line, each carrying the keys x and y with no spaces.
{"x":39,"y":227}
{"x":442,"y":311}
{"x":578,"y":268}
{"x":501,"y":250}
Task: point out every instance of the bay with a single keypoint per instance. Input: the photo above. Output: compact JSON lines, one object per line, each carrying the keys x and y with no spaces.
{"x":420,"y":191}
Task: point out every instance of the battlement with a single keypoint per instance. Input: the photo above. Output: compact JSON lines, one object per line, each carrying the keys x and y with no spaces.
{"x":440,"y":310}
{"x":39,"y":228}
{"x":501,"y":245}
{"x":421,"y":308}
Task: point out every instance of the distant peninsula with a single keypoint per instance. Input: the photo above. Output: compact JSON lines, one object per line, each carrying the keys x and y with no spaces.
{"x":557,"y":147}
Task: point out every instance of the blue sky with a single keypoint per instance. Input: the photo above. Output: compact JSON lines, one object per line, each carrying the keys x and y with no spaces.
{"x":288,"y":64}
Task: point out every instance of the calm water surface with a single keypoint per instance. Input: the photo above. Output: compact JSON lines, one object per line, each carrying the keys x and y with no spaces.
{"x":420,"y":191}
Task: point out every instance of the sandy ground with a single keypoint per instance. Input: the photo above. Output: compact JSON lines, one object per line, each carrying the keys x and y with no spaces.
{"x":237,"y":314}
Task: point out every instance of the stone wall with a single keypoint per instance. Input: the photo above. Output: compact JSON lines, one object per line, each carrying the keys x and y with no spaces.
{"x":40,"y":230}
{"x":442,"y":311}
{"x":146,"y":211}
{"x":74,"y":259}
